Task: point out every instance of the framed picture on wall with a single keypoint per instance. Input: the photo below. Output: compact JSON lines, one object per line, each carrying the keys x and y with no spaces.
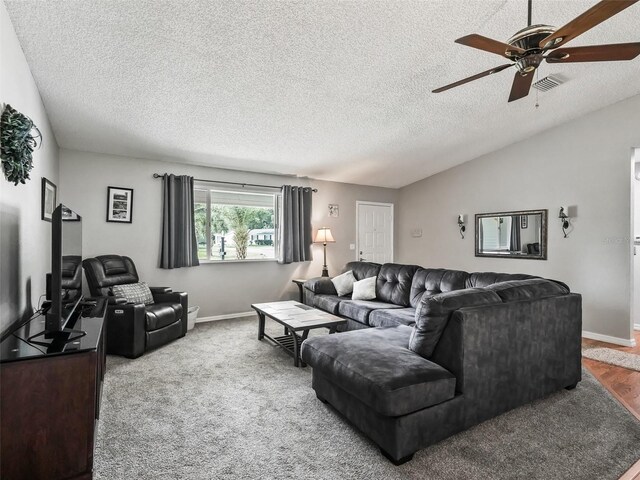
{"x":334,"y":210}
{"x":119,"y":204}
{"x":48,"y":199}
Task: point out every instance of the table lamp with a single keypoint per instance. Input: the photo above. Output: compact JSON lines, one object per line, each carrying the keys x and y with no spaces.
{"x":324,"y":236}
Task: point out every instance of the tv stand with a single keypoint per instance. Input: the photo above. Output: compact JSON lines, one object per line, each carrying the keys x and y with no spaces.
{"x":66,"y":335}
{"x":50,"y":398}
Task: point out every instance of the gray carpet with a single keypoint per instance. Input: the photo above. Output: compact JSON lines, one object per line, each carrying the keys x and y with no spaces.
{"x":627,"y":360}
{"x":219,"y":404}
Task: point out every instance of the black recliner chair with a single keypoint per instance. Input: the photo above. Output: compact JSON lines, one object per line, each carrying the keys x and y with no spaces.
{"x":132,"y":329}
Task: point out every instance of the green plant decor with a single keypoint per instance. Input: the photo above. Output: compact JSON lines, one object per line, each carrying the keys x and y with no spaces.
{"x":19,"y":137}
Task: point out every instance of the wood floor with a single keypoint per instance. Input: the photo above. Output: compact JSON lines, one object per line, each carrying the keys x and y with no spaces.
{"x":623,"y":384}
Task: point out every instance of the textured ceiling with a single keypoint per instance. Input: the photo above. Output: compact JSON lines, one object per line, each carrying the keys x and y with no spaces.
{"x":334,"y":90}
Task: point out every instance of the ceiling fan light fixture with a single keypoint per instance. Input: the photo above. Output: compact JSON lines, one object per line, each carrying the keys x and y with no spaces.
{"x":528,"y":63}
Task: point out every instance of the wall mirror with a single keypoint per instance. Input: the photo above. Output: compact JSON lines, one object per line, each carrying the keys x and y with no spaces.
{"x":521,"y":234}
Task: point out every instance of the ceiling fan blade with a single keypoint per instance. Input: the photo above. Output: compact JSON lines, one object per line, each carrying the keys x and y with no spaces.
{"x":596,"y":53}
{"x":489,"y":45}
{"x":474,"y":77}
{"x":595,"y":15}
{"x":521,"y":86}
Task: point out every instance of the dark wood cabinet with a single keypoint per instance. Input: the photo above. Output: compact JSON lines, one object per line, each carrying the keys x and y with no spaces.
{"x":50,"y":401}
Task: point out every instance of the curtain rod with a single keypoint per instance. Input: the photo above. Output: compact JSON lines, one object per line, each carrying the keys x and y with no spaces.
{"x":159,"y":175}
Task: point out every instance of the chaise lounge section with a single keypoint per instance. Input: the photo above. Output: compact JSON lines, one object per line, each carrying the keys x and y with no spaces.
{"x":468,"y":355}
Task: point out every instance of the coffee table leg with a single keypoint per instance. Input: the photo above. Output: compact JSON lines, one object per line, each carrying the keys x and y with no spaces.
{"x":333,"y":329}
{"x":297,"y":361}
{"x":296,"y":348}
{"x":260,"y":326}
{"x":305,"y":334}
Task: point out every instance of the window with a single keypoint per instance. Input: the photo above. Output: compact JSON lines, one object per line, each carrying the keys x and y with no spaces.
{"x":235,"y":225}
{"x":496,"y":233}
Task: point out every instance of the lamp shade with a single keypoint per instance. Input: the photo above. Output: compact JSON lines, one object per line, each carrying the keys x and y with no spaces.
{"x":324,"y":236}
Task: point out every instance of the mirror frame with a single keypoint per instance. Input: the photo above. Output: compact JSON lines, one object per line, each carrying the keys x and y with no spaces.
{"x":543,"y":234}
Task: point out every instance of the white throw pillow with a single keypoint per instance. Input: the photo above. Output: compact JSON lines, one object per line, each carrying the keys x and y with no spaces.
{"x":364,"y":289}
{"x":344,"y":283}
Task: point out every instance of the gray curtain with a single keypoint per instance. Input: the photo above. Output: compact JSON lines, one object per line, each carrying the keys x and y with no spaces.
{"x":295,"y":225}
{"x":515,"y":245}
{"x":179,"y":244}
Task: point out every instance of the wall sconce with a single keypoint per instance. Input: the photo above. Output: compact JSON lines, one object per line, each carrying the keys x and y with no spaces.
{"x":461,"y":225}
{"x":564,"y":219}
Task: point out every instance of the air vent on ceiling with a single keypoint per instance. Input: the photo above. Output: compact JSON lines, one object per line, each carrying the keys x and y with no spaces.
{"x":547,"y":83}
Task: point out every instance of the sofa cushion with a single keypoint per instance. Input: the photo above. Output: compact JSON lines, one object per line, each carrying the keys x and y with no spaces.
{"x":393,"y":283}
{"x":360,"y":309}
{"x":535,"y":288}
{"x":375,"y":366}
{"x":392,"y":317}
{"x":362,"y":270}
{"x":344,"y":283}
{"x":484,"y":279}
{"x":432,"y":281}
{"x":364,"y":289}
{"x":434,"y":312}
{"x":321,"y":285}
{"x":161,"y":315}
{"x":328,"y":303}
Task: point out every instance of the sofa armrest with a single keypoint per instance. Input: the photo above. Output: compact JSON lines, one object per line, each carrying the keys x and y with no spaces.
{"x":508,"y":354}
{"x":321,"y":285}
{"x":115,"y":300}
{"x":175,"y":297}
{"x":160,"y":290}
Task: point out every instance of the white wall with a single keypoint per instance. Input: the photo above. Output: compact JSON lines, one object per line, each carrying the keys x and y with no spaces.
{"x":25,"y":239}
{"x":584,"y":164}
{"x":219,"y":289}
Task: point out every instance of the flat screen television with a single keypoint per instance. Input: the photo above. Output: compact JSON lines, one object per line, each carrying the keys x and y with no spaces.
{"x":64,"y":283}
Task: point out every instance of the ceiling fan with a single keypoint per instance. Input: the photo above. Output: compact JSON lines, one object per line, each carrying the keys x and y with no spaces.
{"x":535,"y":43}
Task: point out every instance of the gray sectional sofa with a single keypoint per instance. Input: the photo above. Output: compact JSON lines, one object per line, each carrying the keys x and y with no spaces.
{"x":448,"y":349}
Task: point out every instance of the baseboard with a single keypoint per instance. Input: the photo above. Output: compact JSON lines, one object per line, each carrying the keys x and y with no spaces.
{"x":606,"y":338}
{"x":636,"y":326}
{"x":227,"y":316}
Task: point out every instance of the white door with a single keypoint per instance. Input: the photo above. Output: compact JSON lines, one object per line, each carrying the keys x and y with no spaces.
{"x":374,"y":232}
